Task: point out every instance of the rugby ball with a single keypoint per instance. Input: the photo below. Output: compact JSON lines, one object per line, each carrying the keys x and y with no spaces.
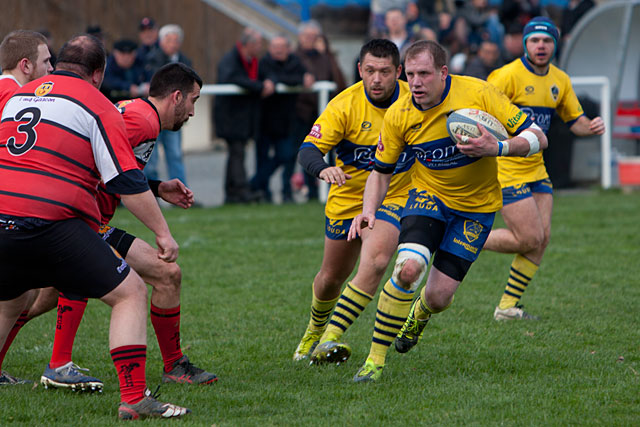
{"x":466,"y":120}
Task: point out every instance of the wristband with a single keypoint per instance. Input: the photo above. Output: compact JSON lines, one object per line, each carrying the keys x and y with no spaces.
{"x":534,"y":143}
{"x":503,"y":148}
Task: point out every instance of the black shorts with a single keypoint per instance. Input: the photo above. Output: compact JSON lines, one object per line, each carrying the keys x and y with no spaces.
{"x":67,"y":255}
{"x":118,"y":239}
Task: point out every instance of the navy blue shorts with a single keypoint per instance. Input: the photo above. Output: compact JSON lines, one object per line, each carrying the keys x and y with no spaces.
{"x":518,"y":192}
{"x":67,"y":255}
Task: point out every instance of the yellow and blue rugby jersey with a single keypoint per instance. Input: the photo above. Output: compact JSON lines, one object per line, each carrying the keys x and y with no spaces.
{"x":463,"y":183}
{"x":538,"y":96}
{"x":351,"y":123}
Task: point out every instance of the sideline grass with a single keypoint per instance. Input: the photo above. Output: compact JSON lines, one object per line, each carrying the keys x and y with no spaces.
{"x":246,"y":292}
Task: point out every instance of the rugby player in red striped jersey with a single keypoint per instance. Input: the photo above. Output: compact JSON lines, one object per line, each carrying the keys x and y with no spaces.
{"x":60,"y":137}
{"x":173,"y":92}
{"x":24,"y":57}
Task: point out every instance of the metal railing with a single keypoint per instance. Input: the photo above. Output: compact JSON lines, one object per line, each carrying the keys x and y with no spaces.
{"x":323,"y":88}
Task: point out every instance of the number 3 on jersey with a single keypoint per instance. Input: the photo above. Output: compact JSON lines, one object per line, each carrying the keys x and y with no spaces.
{"x":27,"y":128}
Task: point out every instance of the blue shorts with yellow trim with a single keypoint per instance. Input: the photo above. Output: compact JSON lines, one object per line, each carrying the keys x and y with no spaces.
{"x":519,"y":192}
{"x":337,"y":229}
{"x":465,"y":232}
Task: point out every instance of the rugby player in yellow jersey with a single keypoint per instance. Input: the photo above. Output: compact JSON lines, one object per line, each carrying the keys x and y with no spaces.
{"x":351,"y":124}
{"x":454,"y":196}
{"x":539,"y":88}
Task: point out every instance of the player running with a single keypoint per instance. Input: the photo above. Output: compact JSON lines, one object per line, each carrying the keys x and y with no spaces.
{"x":351,"y":124}
{"x":539,"y":88}
{"x":455,"y":194}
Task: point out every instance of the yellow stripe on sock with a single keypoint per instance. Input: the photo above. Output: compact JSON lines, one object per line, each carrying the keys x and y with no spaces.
{"x":520,"y":275}
{"x":393,"y":309}
{"x":351,"y":304}
{"x":320,"y":312}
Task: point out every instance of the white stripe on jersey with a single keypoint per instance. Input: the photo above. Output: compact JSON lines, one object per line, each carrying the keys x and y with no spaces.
{"x":68,"y":114}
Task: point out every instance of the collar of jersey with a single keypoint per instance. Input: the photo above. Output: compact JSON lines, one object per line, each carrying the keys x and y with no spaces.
{"x":154,"y":109}
{"x":445,"y":93}
{"x":528,"y":66}
{"x":387,"y":103}
{"x":66,"y":73}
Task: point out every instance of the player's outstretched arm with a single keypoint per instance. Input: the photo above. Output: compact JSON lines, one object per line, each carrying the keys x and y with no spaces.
{"x":176,"y":193}
{"x":145,"y":207}
{"x":374,"y":193}
{"x":585,"y":127}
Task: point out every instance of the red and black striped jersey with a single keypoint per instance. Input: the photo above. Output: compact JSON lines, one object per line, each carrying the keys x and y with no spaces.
{"x":59,"y":137}
{"x":8,"y":86}
{"x":143,"y":126}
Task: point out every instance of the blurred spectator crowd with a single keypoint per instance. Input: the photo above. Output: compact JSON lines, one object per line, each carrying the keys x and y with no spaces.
{"x":479,"y":35}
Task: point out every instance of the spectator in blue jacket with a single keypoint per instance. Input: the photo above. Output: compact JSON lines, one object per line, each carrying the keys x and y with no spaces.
{"x":124,"y":76}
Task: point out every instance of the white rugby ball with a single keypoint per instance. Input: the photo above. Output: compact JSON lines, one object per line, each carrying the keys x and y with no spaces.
{"x":465,"y":122}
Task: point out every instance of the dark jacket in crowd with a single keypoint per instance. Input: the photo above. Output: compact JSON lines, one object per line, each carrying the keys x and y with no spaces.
{"x":324,"y":67}
{"x":237,"y":116}
{"x":157,"y":58}
{"x":117,"y":81}
{"x":278,"y":110}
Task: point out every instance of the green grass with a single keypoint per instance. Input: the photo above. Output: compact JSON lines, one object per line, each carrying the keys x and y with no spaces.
{"x":246,"y":292}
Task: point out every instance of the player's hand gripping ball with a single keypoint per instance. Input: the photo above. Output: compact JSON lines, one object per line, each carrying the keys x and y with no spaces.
{"x":465,"y":122}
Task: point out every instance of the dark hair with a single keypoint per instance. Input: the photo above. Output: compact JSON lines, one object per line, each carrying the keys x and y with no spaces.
{"x":381,"y":48}
{"x":83,"y":55}
{"x":172,"y":77}
{"x":434,"y":48}
{"x":20,"y":44}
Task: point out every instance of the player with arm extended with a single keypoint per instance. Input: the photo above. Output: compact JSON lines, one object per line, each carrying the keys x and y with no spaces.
{"x":24,"y":57}
{"x":351,"y":124}
{"x":539,"y":88}
{"x":174,"y":89}
{"x":61,"y":136}
{"x":455,"y":194}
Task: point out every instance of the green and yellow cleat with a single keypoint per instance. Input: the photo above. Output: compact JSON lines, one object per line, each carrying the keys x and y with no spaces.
{"x":411,"y":331}
{"x":307,"y":344}
{"x":370,"y":372}
{"x":330,"y":352}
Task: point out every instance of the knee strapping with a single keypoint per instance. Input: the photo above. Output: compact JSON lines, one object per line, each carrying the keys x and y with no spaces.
{"x":416,"y":252}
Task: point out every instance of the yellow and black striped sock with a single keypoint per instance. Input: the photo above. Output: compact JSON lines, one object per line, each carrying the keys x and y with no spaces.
{"x":522,"y":271}
{"x":352,"y":302}
{"x":423,"y":311}
{"x":320,"y":312}
{"x":393,"y":308}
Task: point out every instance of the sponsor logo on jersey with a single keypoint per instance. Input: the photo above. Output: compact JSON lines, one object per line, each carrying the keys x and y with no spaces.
{"x":529,"y":90}
{"x":316,"y":131}
{"x":416,"y":128}
{"x":513,"y":121}
{"x":43,"y":89}
{"x":472,"y":230}
{"x":365,"y":126}
{"x":380,"y":144}
{"x":555,"y":92}
{"x":120,"y":105}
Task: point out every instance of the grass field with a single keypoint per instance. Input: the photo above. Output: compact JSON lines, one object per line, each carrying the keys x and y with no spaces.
{"x":246,"y":293}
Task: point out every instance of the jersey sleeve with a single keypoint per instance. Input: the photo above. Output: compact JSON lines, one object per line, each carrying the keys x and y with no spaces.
{"x":390,"y":144}
{"x":111,"y":148}
{"x":499,"y":105}
{"x":569,"y":108}
{"x":328,"y":130}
